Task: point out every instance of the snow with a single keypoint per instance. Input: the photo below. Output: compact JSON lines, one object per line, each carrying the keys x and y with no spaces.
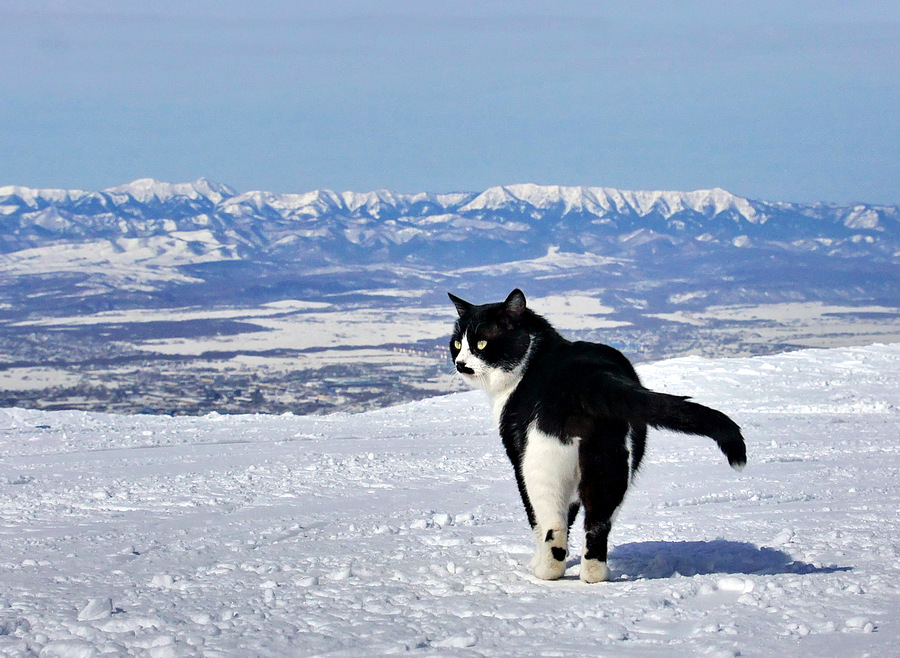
{"x":554,"y":262}
{"x":602,"y":200}
{"x":575,"y":312}
{"x":146,"y":190}
{"x":400,"y":530}
{"x":135,"y":262}
{"x":31,"y":196}
{"x":179,"y":314}
{"x":862,"y":217}
{"x":317,"y":328}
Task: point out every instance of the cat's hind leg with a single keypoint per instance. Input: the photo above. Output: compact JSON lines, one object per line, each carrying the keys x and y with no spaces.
{"x":550,"y":474}
{"x":605,"y":476}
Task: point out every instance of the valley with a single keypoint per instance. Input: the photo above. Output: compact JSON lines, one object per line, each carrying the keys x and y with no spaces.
{"x":330,"y":359}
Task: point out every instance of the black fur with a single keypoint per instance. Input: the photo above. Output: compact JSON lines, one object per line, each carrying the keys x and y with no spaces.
{"x":578,"y":390}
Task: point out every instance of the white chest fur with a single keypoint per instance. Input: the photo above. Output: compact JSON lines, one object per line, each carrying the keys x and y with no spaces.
{"x":498,"y":383}
{"x":500,"y":391}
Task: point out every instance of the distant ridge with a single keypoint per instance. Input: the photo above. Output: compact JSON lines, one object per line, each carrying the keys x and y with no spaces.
{"x":494,"y":225}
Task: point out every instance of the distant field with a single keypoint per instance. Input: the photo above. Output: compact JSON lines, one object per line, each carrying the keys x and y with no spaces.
{"x":309,"y":357}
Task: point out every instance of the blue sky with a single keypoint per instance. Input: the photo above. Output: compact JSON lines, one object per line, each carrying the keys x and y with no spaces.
{"x":774,"y":100}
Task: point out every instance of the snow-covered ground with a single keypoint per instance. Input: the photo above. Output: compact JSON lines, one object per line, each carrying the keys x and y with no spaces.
{"x":401,"y":530}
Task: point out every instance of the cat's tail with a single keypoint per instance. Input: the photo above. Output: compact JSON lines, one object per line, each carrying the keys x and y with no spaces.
{"x":678,"y":413}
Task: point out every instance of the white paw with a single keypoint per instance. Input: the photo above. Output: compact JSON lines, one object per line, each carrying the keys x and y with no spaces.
{"x":549,"y":561}
{"x":594,"y":571}
{"x":548,"y":569}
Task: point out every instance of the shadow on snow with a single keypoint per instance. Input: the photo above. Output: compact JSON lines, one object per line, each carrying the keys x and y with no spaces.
{"x":663,"y":559}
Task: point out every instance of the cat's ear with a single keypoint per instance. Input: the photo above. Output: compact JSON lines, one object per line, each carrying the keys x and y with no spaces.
{"x":515,"y":303}
{"x":462,"y":306}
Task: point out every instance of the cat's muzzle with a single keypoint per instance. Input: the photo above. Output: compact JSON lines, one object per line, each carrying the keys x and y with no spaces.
{"x":464,"y":369}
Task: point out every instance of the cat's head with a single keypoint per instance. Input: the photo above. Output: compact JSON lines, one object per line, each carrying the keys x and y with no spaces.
{"x":490,"y":341}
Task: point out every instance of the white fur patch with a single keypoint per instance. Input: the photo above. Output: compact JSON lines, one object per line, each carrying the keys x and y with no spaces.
{"x":465,"y":353}
{"x":551,"y":472}
{"x":496,"y":382}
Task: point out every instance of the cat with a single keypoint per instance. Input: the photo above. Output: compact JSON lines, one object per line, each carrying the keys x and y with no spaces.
{"x":573,"y":418}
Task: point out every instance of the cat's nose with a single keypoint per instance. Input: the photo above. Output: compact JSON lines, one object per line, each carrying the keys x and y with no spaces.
{"x":464,"y":369}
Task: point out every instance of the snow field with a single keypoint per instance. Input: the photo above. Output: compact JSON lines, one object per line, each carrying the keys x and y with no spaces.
{"x":400,"y":531}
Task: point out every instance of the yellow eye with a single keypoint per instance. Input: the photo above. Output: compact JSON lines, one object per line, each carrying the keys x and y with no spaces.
{"x":457,"y":344}
{"x":481,"y":344}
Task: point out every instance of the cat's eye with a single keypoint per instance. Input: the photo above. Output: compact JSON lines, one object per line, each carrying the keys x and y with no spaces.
{"x":481,"y":344}
{"x":457,"y":344}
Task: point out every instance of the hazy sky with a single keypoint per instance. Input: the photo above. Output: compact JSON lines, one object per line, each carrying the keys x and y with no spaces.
{"x":774,"y":100}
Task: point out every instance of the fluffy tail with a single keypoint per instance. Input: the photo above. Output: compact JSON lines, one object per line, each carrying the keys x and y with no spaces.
{"x":677,"y":413}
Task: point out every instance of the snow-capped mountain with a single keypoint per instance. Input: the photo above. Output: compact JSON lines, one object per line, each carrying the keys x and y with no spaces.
{"x":496,"y":225}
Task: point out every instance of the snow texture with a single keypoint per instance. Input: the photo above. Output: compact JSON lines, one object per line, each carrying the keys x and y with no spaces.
{"x":400,"y":530}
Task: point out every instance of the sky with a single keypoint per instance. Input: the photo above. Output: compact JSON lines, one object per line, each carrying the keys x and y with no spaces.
{"x":772,"y":100}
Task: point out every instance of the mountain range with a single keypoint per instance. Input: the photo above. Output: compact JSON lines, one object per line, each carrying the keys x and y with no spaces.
{"x":211,"y":221}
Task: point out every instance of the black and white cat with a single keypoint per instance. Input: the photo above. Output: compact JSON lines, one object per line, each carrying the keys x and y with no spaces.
{"x":573,"y":417}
